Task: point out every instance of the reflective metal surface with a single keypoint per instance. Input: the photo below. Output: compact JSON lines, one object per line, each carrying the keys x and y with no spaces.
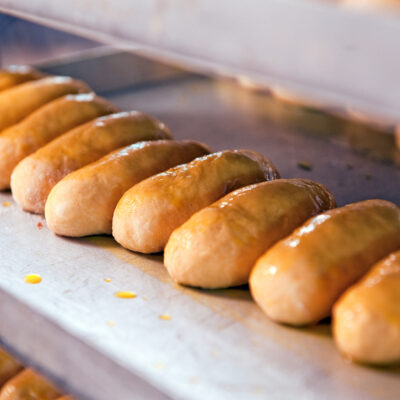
{"x":217,"y":344}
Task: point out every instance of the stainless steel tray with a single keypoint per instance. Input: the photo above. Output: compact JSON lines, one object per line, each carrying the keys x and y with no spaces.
{"x":217,"y":344}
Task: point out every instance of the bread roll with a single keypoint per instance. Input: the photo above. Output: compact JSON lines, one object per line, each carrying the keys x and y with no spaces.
{"x":84,"y":201}
{"x":147,"y":214}
{"x":18,"y":102}
{"x":298,"y":279}
{"x":14,"y":75}
{"x":9,"y":367}
{"x":28,"y":385}
{"x":45,"y":124}
{"x":35,"y":176}
{"x":366,"y":319}
{"x":218,"y":246}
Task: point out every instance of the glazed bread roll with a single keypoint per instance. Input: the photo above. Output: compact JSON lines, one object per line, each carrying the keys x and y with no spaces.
{"x":35,"y":176}
{"x":16,"y":74}
{"x":147,"y":214}
{"x":18,"y":102}
{"x":45,"y":124}
{"x":218,"y":246}
{"x":84,"y":201}
{"x":9,"y":367}
{"x":300,"y":277}
{"x":28,"y":385}
{"x":366,"y":319}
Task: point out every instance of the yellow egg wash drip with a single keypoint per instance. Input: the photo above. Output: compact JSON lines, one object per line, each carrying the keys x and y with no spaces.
{"x":125,"y":295}
{"x":33,"y":279}
{"x":165,"y":317}
{"x":107,"y":280}
{"x":6,"y":204}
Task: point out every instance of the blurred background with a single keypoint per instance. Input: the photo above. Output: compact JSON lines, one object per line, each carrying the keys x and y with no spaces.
{"x":24,"y":42}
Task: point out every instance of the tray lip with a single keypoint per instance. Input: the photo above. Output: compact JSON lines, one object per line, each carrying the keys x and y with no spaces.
{"x":382,"y":106}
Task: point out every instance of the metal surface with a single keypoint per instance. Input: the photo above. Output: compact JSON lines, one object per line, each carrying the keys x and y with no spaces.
{"x":316,"y":49}
{"x":218,"y":344}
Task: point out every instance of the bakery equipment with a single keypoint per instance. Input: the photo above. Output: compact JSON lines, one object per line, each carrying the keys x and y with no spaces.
{"x":170,"y":341}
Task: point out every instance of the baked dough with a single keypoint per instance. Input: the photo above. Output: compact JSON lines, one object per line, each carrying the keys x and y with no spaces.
{"x":148,"y":213}
{"x":366,"y":319}
{"x":300,"y":277}
{"x":18,"y":102}
{"x":9,"y":367}
{"x":14,"y":75}
{"x":45,"y":124}
{"x":28,"y":385}
{"x":218,"y":246}
{"x":34,"y":177}
{"x":84,"y":201}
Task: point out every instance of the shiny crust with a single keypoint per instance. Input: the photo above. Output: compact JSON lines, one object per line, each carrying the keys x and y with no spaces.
{"x":20,"y":101}
{"x":28,"y":385}
{"x":9,"y":367}
{"x":300,"y":277}
{"x":148,"y":213}
{"x":14,"y":75}
{"x":35,"y":176}
{"x":83,"y":202}
{"x":218,"y":246}
{"x":44,"y":125}
{"x":366,"y":319}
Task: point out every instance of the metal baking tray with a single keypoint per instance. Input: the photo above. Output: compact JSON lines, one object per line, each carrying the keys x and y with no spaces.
{"x":319,"y":50}
{"x":217,"y":344}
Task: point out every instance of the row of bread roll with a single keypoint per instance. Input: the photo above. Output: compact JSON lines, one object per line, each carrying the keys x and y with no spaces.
{"x":35,"y":109}
{"x":17,"y":383}
{"x":17,"y":102}
{"x":41,"y":151}
{"x":44,"y":125}
{"x":16,"y":74}
{"x":297,"y":277}
{"x":34,"y":176}
{"x":150,"y":211}
{"x":298,"y":280}
{"x":83,"y":203}
{"x":208,"y":245}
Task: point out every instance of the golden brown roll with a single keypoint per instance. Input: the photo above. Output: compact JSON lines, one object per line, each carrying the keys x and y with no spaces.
{"x":66,"y":398}
{"x":44,"y":125}
{"x":28,"y":385}
{"x":9,"y":367}
{"x":366,"y":319}
{"x":298,"y":279}
{"x":18,"y":102}
{"x":84,"y":201}
{"x":147,"y":214}
{"x":35,"y":176}
{"x":14,"y":75}
{"x":218,"y":246}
